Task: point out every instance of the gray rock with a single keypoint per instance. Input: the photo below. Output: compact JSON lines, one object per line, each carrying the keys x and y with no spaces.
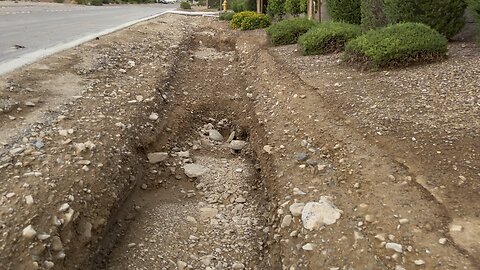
{"x":238,"y":266}
{"x":194,"y":170}
{"x":312,"y":162}
{"x":208,"y":212}
{"x":237,"y":145}
{"x":157,"y":157}
{"x":296,"y":209}
{"x":286,"y":221}
{"x":7,"y":105}
{"x":318,"y":214}
{"x":56,"y":243}
{"x":394,"y":246}
{"x":301,"y":156}
{"x":213,"y":134}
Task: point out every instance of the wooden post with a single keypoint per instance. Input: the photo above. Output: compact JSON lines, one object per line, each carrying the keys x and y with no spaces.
{"x":323,"y":12}
{"x":260,"y":6}
{"x":310,"y":10}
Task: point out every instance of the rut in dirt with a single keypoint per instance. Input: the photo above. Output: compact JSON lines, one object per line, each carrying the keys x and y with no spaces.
{"x":201,"y":202}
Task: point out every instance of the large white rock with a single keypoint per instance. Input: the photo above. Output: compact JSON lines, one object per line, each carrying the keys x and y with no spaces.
{"x":213,"y":134}
{"x":194,"y":170}
{"x":157,"y":157}
{"x":318,"y":214}
{"x":28,"y":232}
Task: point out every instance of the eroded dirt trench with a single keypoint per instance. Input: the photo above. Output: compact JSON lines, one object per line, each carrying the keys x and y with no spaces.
{"x":204,"y":205}
{"x":211,"y":154}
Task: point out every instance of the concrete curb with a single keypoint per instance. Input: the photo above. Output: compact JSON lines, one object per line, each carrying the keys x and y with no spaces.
{"x":32,"y":57}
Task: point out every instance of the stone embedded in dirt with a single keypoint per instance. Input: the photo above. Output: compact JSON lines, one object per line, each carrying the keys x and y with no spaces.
{"x":16,"y":151}
{"x":394,"y":246}
{"x":194,"y":170}
{"x":181,"y":265}
{"x":213,"y":134}
{"x":297,"y":191}
{"x":64,"y":207}
{"x":286,"y":221}
{"x":29,"y":104}
{"x":56,"y":244}
{"x":301,"y":156}
{"x":456,"y":228}
{"x":399,"y":267}
{"x":157,"y":157}
{"x":29,"y":199}
{"x":296,"y":209}
{"x":63,"y":132}
{"x":442,"y":241}
{"x":403,"y":221}
{"x":153,"y":116}
{"x":237,"y":145}
{"x":28,"y":232}
{"x":48,"y":264}
{"x":43,"y":236}
{"x":419,"y":262}
{"x":268,"y":149}
{"x":240,"y":200}
{"x":238,"y":265}
{"x":318,"y":214}
{"x":309,"y":247}
{"x":208,"y":212}
{"x":369,"y":218}
{"x":231,"y":137}
{"x":183,"y":154}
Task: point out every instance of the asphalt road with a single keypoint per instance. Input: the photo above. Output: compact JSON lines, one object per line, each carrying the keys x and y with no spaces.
{"x":39,"y":26}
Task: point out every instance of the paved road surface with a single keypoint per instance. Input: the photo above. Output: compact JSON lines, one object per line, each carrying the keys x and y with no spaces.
{"x":39,"y":26}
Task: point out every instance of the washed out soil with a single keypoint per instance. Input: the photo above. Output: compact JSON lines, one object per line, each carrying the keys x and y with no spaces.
{"x":394,"y":151}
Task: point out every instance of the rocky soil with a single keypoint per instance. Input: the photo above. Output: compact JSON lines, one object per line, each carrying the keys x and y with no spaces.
{"x":180,"y":144}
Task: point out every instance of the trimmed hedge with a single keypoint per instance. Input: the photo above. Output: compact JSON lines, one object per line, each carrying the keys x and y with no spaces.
{"x":249,"y":20}
{"x":345,"y":11}
{"x":276,"y":8}
{"x":445,"y":16}
{"x":397,"y":45}
{"x":292,"y":7}
{"x":328,"y":37}
{"x":373,"y":14}
{"x":226,"y":16}
{"x":288,"y":31}
{"x":185,"y":5}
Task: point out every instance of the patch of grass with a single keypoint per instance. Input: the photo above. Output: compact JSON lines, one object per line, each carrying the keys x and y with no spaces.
{"x":397,"y":45}
{"x":226,"y":16}
{"x":249,"y":20}
{"x":288,"y":31}
{"x":185,"y":5}
{"x":328,"y":37}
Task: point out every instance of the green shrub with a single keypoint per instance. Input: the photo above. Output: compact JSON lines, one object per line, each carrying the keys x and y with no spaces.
{"x":185,"y":5}
{"x":446,"y":16}
{"x":345,"y":11}
{"x":397,"y":45}
{"x":373,"y":14}
{"x":288,"y":31}
{"x":59,"y":1}
{"x":249,"y":20}
{"x":328,"y":37}
{"x":303,"y":6}
{"x":202,"y":2}
{"x":226,"y":16}
{"x":243,"y":5}
{"x":276,"y":8}
{"x":292,"y":7}
{"x":96,"y":2}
